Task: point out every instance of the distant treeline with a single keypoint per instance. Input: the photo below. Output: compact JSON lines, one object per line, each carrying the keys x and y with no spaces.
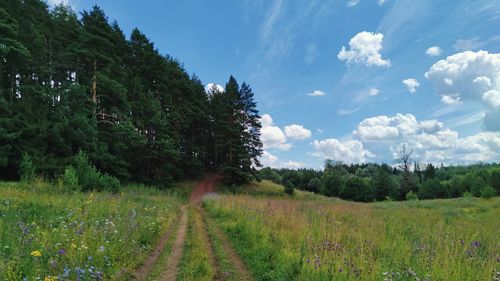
{"x":377,"y":182}
{"x":73,"y":83}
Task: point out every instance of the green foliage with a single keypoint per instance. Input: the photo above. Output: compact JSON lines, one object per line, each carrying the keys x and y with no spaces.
{"x":411,"y":196}
{"x":488,"y":192}
{"x":289,"y":188}
{"x":89,"y":179}
{"x":431,"y":189}
{"x":70,"y":178}
{"x":70,"y":83}
{"x":27,"y":169}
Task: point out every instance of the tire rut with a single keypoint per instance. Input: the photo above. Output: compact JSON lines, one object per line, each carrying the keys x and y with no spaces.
{"x":145,"y":269}
{"x":171,"y":266}
{"x":238,"y":265}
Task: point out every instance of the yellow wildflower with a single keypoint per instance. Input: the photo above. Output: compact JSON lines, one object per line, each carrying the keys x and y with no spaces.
{"x":36,"y":253}
{"x":50,"y":278}
{"x":73,"y":245}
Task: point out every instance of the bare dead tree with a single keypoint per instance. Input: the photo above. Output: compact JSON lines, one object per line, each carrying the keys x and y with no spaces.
{"x":404,"y":159}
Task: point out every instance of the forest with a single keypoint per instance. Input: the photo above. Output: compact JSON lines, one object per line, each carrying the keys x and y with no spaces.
{"x":80,"y":99}
{"x":370,"y":182}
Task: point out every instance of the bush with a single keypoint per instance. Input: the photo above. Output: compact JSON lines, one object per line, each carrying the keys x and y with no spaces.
{"x":488,"y":192}
{"x":411,"y":196}
{"x":70,"y":178}
{"x":86,"y":177}
{"x":431,"y":189}
{"x":27,"y":169}
{"x":110,"y":183}
{"x":289,"y":189}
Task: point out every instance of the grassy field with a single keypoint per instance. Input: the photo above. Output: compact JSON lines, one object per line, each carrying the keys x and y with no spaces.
{"x":47,"y":234}
{"x":307,"y":237}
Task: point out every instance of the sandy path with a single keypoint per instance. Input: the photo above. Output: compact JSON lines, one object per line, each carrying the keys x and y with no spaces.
{"x":207,"y":185}
{"x":143,"y":271}
{"x":171,"y":270}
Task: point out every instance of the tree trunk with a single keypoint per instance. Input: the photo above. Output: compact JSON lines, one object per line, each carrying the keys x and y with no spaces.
{"x":94,"y":82}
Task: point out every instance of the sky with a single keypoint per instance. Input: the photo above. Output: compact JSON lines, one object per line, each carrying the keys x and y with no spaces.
{"x":349,"y":80}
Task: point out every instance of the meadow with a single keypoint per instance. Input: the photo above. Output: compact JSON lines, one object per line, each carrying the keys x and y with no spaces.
{"x":308,"y":237}
{"x":49,"y":234}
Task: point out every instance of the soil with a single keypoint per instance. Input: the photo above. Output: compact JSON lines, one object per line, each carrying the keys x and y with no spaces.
{"x":171,"y":267}
{"x":207,"y":185}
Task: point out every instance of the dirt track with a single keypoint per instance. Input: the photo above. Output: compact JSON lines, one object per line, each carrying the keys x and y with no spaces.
{"x":207,"y":185}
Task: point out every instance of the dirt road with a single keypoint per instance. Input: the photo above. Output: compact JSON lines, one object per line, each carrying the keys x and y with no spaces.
{"x":171,"y":267}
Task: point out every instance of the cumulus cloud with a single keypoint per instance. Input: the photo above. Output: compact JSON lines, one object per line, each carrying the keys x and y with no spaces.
{"x":469,"y":76}
{"x":272,"y":136}
{"x":411,"y":84}
{"x":433,"y":51}
{"x":267,"y":159}
{"x":212,"y":88}
{"x":432,"y":143}
{"x":295,"y":131}
{"x":350,"y":151}
{"x":365,"y":49}
{"x":316,"y":93}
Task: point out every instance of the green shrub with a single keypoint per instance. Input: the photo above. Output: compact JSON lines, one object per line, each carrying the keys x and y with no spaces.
{"x":88,"y":178}
{"x":27,"y":169}
{"x":411,"y":196}
{"x":488,"y":192}
{"x":289,"y":188}
{"x":70,"y":178}
{"x":110,"y":183}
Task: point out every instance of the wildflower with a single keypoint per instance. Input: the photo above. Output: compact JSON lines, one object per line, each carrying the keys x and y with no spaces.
{"x":53,"y":264}
{"x":73,"y":245}
{"x":101,"y":249}
{"x":36,"y":253}
{"x":50,"y":278}
{"x":61,"y":252}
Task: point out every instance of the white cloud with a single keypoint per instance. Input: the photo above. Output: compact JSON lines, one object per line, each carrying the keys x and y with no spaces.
{"x":431,"y":142}
{"x":373,"y":92}
{"x":411,"y":84}
{"x":316,"y":93}
{"x":292,"y":165}
{"x":267,"y":159}
{"x":469,"y":77}
{"x":272,"y":16}
{"x":272,"y":136}
{"x":450,"y":99}
{"x":365,"y":48}
{"x":266,"y":120}
{"x":295,"y":131}
{"x":381,"y":2}
{"x":433,"y":51}
{"x":352,"y":3}
{"x":311,"y":54}
{"x":57,"y":2}
{"x":492,"y":98}
{"x":212,"y":87}
{"x":350,"y":151}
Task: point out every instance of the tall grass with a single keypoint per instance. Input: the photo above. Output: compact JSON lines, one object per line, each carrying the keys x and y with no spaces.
{"x":48,"y":233}
{"x":282,"y":239}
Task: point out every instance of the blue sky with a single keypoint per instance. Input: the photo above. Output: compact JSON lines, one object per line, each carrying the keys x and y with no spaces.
{"x":348,"y":80}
